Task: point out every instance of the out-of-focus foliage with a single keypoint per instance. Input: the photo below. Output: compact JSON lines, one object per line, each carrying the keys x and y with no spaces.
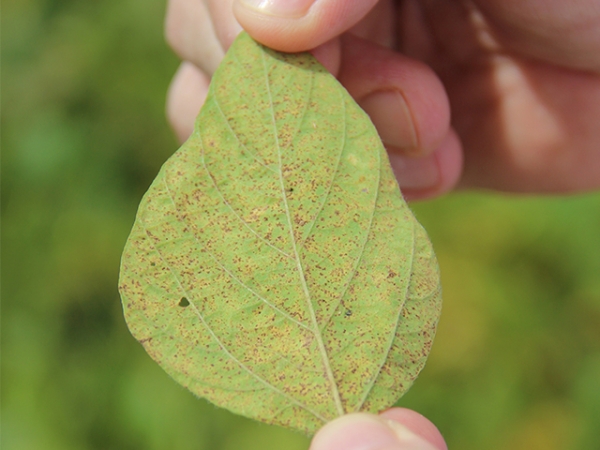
{"x":516,"y":363}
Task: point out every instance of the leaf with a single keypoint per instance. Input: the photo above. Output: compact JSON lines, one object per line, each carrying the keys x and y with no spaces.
{"x":274,"y":267}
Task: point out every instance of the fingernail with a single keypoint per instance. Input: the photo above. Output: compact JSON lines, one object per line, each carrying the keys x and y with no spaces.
{"x":279,"y":8}
{"x":392,"y":118}
{"x":366,"y":432}
{"x":408,"y":440}
{"x":415,"y":173}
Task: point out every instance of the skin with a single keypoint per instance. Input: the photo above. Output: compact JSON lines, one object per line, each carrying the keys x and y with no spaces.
{"x":394,"y":429}
{"x":482,"y":94}
{"x":521,"y":80}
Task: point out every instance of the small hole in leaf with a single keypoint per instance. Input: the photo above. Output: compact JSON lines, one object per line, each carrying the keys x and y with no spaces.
{"x":348,"y":313}
{"x":184,"y":302}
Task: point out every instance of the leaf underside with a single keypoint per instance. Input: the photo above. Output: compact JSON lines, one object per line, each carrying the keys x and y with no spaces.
{"x":274,"y":267}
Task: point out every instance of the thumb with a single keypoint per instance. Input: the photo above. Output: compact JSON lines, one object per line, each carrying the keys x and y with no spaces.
{"x":298,"y":25}
{"x":362,"y":431}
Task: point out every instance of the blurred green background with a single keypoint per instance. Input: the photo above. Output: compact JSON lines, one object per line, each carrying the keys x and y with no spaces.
{"x":516,"y":363}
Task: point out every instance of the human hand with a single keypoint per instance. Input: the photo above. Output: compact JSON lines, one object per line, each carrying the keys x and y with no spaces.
{"x":394,"y":429}
{"x":522,"y":79}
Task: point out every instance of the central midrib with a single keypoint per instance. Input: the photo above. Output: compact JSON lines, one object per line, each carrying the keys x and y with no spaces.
{"x":316,"y":330}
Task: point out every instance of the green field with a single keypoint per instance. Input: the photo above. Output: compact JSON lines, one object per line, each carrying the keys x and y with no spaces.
{"x":516,"y":362}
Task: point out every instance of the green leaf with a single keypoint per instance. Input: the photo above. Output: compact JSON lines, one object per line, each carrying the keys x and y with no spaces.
{"x":274,"y":267}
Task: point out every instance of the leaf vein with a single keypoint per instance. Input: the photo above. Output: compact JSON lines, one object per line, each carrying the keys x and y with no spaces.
{"x":362,"y":250}
{"x":226,"y":270}
{"x":333,"y":177}
{"x":237,"y":138}
{"x":393,"y":335}
{"x":235,"y":213}
{"x":316,"y":331}
{"x":220,"y":343}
